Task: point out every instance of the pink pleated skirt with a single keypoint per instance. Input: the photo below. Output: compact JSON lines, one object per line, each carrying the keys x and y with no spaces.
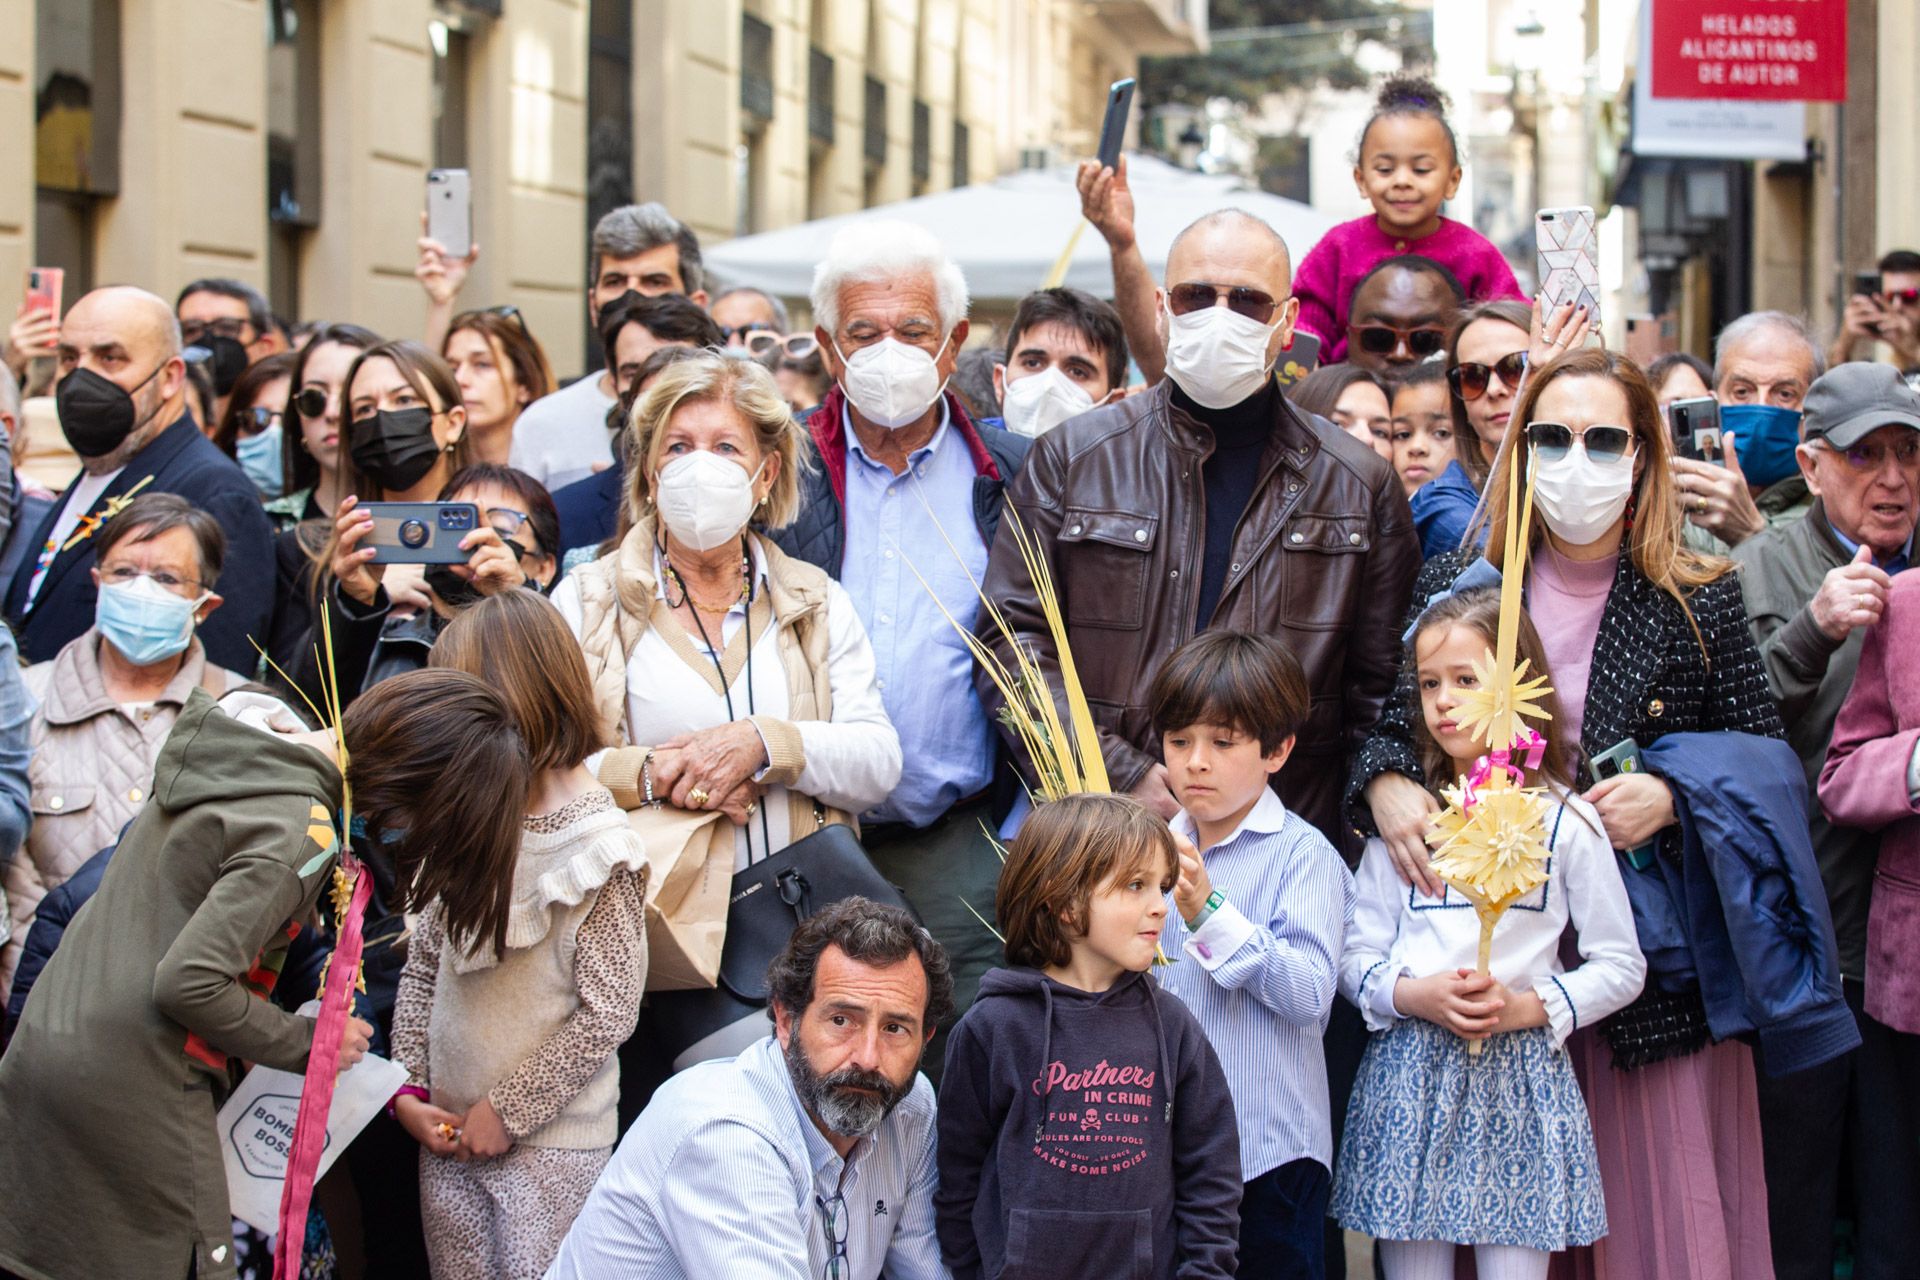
{"x":1679,"y":1148}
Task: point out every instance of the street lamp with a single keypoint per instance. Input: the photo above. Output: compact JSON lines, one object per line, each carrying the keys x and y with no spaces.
{"x":1191,"y":143}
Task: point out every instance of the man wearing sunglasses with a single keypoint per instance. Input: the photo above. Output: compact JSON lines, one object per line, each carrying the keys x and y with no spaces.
{"x":1890,"y":315}
{"x":1401,"y":311}
{"x":744,"y":314}
{"x":1209,"y":501}
{"x":1812,"y":589}
{"x":231,"y":321}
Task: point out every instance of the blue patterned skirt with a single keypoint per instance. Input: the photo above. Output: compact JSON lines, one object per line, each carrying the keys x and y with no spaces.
{"x":1493,"y":1150}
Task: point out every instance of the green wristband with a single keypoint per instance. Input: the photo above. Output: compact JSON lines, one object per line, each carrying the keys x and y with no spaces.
{"x":1215,"y":901}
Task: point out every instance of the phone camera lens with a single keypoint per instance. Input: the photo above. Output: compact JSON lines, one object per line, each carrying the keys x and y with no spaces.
{"x":413,"y":534}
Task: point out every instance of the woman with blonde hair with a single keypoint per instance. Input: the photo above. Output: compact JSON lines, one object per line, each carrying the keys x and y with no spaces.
{"x":731,"y":677}
{"x":1645,"y":638}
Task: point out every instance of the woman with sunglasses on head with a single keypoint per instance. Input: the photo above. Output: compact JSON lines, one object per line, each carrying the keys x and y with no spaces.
{"x":501,"y":369}
{"x":1645,"y":639}
{"x":251,"y":432}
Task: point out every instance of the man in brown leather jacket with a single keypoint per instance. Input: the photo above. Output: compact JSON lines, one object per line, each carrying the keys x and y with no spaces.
{"x":1206,"y":502}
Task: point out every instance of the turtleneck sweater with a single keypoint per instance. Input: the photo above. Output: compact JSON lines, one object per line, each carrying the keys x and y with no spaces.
{"x":1240,"y":434}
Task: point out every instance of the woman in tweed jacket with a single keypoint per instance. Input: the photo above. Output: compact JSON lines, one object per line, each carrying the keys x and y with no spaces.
{"x":1677,"y":1125}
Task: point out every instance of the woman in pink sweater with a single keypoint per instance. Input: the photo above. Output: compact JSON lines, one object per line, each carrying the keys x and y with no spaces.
{"x":1872,"y":780}
{"x":1407,"y":166}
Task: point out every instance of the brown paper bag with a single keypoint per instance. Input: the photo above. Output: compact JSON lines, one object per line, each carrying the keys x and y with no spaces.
{"x":691,"y":856}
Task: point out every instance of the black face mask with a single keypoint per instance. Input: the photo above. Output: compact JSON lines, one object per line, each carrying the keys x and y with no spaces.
{"x":97,"y":414}
{"x":453,"y":590}
{"x":395,"y":448}
{"x":229,"y":361}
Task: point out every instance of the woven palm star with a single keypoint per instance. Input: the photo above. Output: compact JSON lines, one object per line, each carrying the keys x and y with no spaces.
{"x":1500,"y":702}
{"x":1495,"y":850}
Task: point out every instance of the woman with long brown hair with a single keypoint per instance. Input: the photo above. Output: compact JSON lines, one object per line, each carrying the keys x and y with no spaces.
{"x":501,"y":369}
{"x":1645,"y":638}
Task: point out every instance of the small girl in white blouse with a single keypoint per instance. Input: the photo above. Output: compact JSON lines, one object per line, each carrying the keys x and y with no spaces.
{"x":1442,"y":1148}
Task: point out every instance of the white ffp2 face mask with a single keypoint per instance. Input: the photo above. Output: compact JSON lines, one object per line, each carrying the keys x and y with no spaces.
{"x":1039,"y":402}
{"x":704,"y":499}
{"x":1579,"y":498}
{"x":891,"y":383}
{"x":1218,"y":356}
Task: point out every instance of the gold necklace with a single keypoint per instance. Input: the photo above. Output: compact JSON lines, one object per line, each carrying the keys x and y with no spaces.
{"x":688,"y":598}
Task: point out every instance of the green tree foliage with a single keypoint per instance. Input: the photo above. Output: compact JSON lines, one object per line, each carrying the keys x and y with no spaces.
{"x":1245,"y":69}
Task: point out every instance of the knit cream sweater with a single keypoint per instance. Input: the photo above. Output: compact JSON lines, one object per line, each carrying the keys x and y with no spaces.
{"x":491,"y":1017}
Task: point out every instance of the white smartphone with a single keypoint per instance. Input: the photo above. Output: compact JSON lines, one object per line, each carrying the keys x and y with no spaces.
{"x":1567,"y":259}
{"x":450,"y":210}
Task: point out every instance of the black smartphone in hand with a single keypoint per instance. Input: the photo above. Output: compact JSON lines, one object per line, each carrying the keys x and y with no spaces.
{"x":1113,"y":129}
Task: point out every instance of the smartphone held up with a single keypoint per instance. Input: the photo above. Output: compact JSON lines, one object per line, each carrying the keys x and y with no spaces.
{"x":1567,"y":259}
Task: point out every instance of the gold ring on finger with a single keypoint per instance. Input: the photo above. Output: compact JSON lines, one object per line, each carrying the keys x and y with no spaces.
{"x":698,"y":797}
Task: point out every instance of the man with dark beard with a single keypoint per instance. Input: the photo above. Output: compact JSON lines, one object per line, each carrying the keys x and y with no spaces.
{"x":811,"y":1154}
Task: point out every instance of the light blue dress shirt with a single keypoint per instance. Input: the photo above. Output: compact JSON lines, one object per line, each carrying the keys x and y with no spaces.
{"x":900,"y":530}
{"x":724,"y":1174}
{"x":1261,"y":974}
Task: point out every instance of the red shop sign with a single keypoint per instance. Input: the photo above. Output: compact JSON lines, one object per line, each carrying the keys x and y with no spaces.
{"x":1780,"y":50}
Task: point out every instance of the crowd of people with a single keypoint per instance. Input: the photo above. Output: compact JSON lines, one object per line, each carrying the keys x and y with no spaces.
{"x":731,"y":598}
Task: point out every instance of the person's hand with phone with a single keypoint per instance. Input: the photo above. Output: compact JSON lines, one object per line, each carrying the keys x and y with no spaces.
{"x":1554,"y":331}
{"x":1107,"y":202}
{"x":1715,"y":495}
{"x":1900,"y":329}
{"x":34,"y":335}
{"x":353,"y":568}
{"x":442,"y":275}
{"x":491,"y":565}
{"x":1633,"y":807}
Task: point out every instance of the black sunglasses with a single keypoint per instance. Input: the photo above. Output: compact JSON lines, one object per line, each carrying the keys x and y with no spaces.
{"x":1382,"y":339}
{"x":511,"y":312}
{"x":1254,"y":304}
{"x":1469,"y":381}
{"x":1554,"y":440}
{"x":312,"y":402}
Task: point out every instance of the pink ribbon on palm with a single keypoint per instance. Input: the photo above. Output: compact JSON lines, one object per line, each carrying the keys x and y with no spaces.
{"x":1528,"y":742}
{"x":316,"y":1095}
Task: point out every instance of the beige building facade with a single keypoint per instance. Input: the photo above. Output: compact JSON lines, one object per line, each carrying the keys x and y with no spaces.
{"x":287,"y":142}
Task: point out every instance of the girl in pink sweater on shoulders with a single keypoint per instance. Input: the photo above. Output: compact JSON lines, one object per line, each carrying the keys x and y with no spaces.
{"x":1407,"y":165}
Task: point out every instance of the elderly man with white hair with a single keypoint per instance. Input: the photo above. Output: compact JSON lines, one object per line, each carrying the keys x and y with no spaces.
{"x":908,"y":488}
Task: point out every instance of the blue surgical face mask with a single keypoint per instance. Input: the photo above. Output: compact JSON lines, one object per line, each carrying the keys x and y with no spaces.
{"x":259,"y":457}
{"x":1765,"y":437}
{"x":143,"y":620}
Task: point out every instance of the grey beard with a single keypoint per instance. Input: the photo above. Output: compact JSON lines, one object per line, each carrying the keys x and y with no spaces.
{"x":831,"y":1098}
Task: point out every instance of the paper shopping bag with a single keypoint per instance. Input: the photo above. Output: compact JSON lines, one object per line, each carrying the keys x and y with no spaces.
{"x":256,"y":1130}
{"x":690,"y":855}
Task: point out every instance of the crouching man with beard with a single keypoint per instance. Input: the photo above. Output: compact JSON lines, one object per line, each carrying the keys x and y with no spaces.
{"x":809,"y":1155}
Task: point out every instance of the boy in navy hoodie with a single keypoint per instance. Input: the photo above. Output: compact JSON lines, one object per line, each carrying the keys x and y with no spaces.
{"x":1084,"y":1120}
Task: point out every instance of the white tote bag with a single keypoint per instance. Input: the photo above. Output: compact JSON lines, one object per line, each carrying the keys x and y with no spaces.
{"x":256,"y":1130}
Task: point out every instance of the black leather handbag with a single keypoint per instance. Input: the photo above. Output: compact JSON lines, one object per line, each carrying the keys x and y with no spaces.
{"x":768,"y":901}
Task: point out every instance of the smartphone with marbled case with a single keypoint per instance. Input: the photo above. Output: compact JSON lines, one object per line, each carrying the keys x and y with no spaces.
{"x":1567,"y":259}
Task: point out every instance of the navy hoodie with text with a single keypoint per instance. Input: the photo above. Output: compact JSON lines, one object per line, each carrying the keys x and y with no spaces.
{"x":1085,"y":1134}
